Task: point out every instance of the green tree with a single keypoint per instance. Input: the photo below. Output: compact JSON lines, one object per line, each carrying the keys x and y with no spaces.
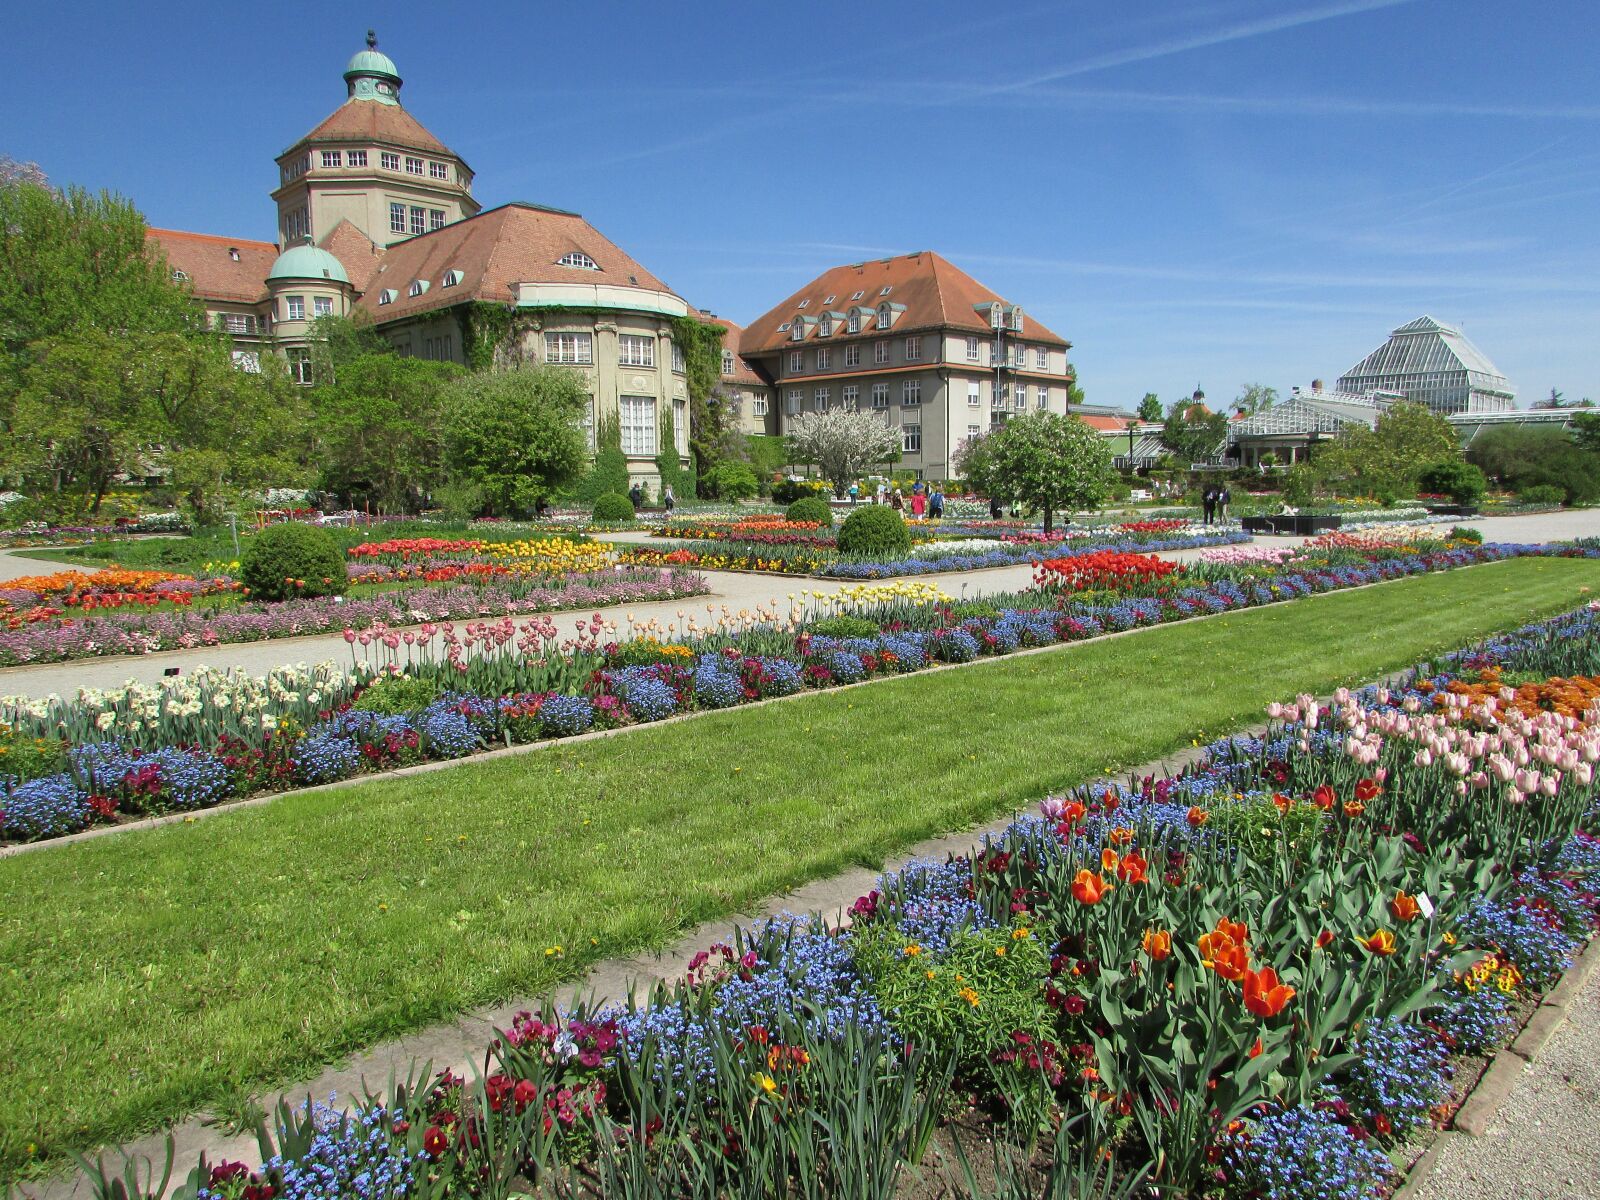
{"x":1389,"y":458}
{"x":1521,"y":458}
{"x":1046,"y":461}
{"x":1253,"y":397}
{"x":1586,"y":431}
{"x":1194,"y":433}
{"x":515,"y":436}
{"x":378,"y":428}
{"x":1150,"y":407}
{"x":339,"y":341}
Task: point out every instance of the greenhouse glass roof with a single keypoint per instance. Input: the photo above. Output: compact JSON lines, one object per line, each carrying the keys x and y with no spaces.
{"x":1423,"y":346}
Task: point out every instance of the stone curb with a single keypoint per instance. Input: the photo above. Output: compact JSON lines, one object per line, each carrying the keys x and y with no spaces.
{"x":543,"y":744}
{"x":1484,"y":1102}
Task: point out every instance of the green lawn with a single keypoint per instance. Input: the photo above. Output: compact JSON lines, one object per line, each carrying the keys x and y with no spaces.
{"x":148,"y":975}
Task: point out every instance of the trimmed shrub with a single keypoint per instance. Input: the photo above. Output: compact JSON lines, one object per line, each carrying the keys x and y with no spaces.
{"x":1542,"y":493}
{"x":845,"y":627}
{"x":397,"y":695}
{"x":732,"y":481}
{"x":613,"y":507}
{"x":1456,"y":478}
{"x":293,"y":561}
{"x":810,"y":508}
{"x":1462,"y":533}
{"x":874,"y":530}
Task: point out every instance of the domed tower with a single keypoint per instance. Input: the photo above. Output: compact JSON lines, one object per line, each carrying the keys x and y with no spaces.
{"x":305,"y":283}
{"x":370,"y":163}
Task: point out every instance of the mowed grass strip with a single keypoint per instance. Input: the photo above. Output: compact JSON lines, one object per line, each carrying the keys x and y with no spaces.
{"x":154,"y":974}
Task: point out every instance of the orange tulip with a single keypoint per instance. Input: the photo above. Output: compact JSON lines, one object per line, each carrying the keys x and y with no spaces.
{"x":1073,"y":812}
{"x":1381,"y":942}
{"x":1133,"y":868}
{"x":1263,"y":994}
{"x":1121,"y":836}
{"x":1223,"y":955}
{"x":1089,"y":887}
{"x":1354,"y":808}
{"x":1236,"y":930}
{"x":1157,"y":944}
{"x":1281,"y":802}
{"x":1108,"y":860}
{"x":1404,"y":907}
{"x":1198,"y":816}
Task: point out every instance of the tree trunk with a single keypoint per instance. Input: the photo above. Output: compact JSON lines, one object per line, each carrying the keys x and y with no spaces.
{"x":1049,"y":518}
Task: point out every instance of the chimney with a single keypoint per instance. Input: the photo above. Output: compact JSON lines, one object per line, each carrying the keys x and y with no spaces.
{"x":1316,"y":385}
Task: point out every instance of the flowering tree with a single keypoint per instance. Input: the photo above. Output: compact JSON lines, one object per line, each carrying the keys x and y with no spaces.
{"x":1045,"y":460}
{"x":843,"y":443}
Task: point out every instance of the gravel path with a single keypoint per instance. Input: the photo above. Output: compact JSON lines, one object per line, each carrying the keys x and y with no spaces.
{"x":1543,"y":1145}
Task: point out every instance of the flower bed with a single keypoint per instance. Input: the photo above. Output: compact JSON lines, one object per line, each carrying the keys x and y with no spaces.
{"x":1249,"y":981}
{"x":447,"y":692}
{"x":146,"y":633}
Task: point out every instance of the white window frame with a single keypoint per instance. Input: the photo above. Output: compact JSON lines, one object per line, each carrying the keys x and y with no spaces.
{"x":880,"y":395}
{"x":321,"y":306}
{"x":797,"y":331}
{"x":300,"y":366}
{"x":294,"y":308}
{"x":397,"y":217}
{"x":572,"y":348}
{"x":974,"y":431}
{"x":435,"y":219}
{"x":636,"y":350}
{"x":852,"y":322}
{"x":239,"y":322}
{"x":797,"y":362}
{"x":880,"y":351}
{"x":727,"y":362}
{"x":973,"y":353}
{"x":413,"y":166}
{"x":911,"y":439}
{"x":792,"y":401}
{"x":637,"y":417}
{"x":914,"y":348}
{"x":389,"y":162}
{"x":820,"y":399}
{"x":677,"y":359}
{"x":438,"y":170}
{"x":1042,"y":397}
{"x":852,"y":355}
{"x":824,"y":358}
{"x":680,"y":426}
{"x":885,"y":315}
{"x":1041,"y":357}
{"x":758,"y":406}
{"x":825,"y":326}
{"x":974,"y":393}
{"x":355,"y":158}
{"x":419,"y":219}
{"x":578,"y":259}
{"x":910,"y":393}
{"x":332,"y":158}
{"x":850,"y":396}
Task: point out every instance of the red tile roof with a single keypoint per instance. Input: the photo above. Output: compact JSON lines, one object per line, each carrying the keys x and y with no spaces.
{"x":370,"y":121}
{"x":732,"y":338}
{"x":213,"y":272}
{"x":356,"y":251}
{"x":515,"y":243}
{"x":935,"y":292}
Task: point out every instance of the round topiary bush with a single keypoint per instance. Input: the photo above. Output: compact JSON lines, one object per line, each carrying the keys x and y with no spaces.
{"x":613,"y":508}
{"x":874,"y":531}
{"x":291,"y":562}
{"x":810,"y":508}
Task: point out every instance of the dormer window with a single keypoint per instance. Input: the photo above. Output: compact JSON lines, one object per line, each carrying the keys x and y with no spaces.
{"x":1016,"y":319}
{"x":578,"y":259}
{"x":885,"y":315}
{"x":450,"y":278}
{"x":825,"y":326}
{"x":797,"y":331}
{"x":418,"y":286}
{"x":727,"y":362}
{"x":387,"y":296}
{"x":853,"y":321}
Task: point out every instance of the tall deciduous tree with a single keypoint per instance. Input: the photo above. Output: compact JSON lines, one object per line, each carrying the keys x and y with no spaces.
{"x":515,"y":436}
{"x":1150,"y":407}
{"x":1046,"y":461}
{"x":1194,"y":433}
{"x":842,"y":443}
{"x":1253,"y":397}
{"x":378,"y":428}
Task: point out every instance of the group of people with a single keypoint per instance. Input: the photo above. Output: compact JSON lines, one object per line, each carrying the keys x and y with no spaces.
{"x":926,"y":500}
{"x":668,"y":500}
{"x":1215,"y":500}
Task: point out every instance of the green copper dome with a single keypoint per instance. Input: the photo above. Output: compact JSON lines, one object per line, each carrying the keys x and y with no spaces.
{"x":308,"y":262}
{"x":371,"y":74}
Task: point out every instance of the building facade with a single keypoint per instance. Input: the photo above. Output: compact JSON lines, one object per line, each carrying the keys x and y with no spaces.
{"x":376,"y":216}
{"x":917,"y":340}
{"x":744,"y":388}
{"x":1432,"y":363}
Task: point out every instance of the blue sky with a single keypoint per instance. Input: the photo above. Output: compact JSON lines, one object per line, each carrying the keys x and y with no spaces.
{"x":1211,"y":192}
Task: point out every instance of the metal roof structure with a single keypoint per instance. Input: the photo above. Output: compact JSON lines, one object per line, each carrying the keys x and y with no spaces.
{"x":1311,"y":413}
{"x":1434,"y":364}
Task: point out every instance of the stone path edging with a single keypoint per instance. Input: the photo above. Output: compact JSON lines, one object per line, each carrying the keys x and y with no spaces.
{"x":189,"y":818}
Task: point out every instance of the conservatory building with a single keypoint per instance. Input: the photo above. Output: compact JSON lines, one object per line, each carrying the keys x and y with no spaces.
{"x":1434,"y":364}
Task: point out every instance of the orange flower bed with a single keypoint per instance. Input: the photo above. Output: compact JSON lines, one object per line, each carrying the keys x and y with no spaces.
{"x":112,"y":579}
{"x":1568,"y":697}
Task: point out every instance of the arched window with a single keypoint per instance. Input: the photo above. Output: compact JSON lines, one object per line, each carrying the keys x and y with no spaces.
{"x":727,"y":362}
{"x":387,"y":296}
{"x":418,"y":286}
{"x":450,"y":278}
{"x":885,"y":316}
{"x":579,"y":259}
{"x":853,"y":321}
{"x":825,"y":326}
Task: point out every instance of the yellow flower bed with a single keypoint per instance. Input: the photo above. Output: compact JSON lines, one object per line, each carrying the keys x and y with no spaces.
{"x":899,"y":592}
{"x":549,"y":557}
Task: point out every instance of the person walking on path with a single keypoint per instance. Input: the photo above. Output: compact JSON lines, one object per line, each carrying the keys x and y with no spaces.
{"x":994,"y":508}
{"x":1224,"y":498}
{"x":898,"y":503}
{"x":636,"y":497}
{"x":919,"y":504}
{"x":855,"y":490}
{"x":936,"y":505}
{"x":883,"y":493}
{"x":668,"y":499}
{"x":1208,"y":502}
